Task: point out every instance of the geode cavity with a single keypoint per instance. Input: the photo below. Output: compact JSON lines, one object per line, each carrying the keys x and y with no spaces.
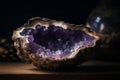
{"x":52,"y":44}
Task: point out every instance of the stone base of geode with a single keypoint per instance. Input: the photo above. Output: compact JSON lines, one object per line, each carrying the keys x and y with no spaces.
{"x":85,"y":55}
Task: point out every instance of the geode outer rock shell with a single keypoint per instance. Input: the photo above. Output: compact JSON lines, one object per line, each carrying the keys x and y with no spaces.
{"x":52,"y":44}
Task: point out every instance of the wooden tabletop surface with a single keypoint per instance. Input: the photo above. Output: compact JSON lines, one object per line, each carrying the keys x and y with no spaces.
{"x":87,"y":70}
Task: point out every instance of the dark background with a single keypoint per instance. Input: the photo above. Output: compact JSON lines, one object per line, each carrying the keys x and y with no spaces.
{"x":15,"y":13}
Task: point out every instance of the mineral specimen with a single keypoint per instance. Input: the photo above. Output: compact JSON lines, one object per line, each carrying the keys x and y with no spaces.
{"x":52,"y":44}
{"x":105,"y":21}
{"x":7,"y":51}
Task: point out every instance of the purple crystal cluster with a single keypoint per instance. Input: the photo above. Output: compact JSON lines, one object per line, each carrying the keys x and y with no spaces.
{"x":55,"y":42}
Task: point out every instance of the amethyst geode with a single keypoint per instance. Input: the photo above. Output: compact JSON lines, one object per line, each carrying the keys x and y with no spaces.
{"x":52,"y":44}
